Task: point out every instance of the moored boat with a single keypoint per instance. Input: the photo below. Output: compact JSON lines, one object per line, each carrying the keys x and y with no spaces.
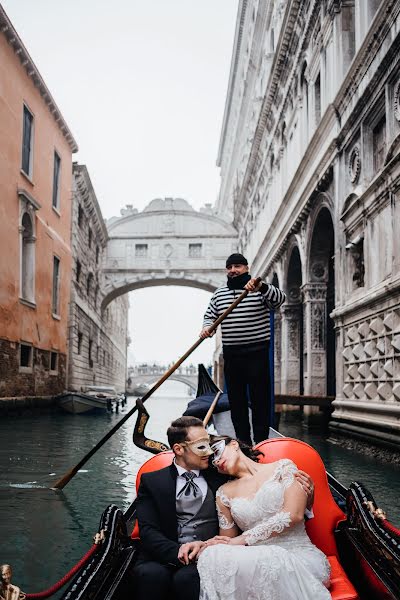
{"x":94,"y":399}
{"x":140,"y":390}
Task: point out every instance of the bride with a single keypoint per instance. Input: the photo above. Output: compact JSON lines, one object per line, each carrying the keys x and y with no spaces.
{"x":263,"y":551}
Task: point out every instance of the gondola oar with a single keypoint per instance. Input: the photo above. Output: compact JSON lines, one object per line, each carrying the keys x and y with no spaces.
{"x":211,"y":409}
{"x":61,"y":483}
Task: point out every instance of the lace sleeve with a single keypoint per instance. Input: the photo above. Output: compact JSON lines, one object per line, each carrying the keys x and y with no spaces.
{"x":285,"y":472}
{"x":275,"y":524}
{"x":224,"y":515}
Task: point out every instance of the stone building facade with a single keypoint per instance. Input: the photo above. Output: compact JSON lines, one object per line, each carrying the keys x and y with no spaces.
{"x":310,"y":176}
{"x":36,"y":150}
{"x":97,"y":338}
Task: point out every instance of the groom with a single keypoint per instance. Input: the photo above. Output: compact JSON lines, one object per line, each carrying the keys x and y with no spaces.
{"x":176,"y":514}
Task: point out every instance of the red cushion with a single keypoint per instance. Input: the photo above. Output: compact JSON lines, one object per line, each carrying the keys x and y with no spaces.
{"x":341,"y":588}
{"x":155,"y":463}
{"x":327,"y":514}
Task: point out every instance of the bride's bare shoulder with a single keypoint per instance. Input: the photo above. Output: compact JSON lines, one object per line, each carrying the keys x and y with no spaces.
{"x":228,"y":489}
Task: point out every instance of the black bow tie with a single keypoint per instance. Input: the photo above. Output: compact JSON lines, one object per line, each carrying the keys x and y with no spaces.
{"x":190,"y":488}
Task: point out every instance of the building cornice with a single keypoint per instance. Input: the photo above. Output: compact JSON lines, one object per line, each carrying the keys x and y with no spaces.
{"x":7,"y":29}
{"x":278,"y":64}
{"x":237,"y":44}
{"x":85,"y":188}
{"x":377,"y":33}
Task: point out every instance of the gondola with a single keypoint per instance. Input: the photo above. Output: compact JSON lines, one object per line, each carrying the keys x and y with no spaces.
{"x":362,"y":545}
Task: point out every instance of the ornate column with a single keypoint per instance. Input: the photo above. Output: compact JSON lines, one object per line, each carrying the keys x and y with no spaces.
{"x":314,"y":339}
{"x":278,"y":352}
{"x":291,"y":348}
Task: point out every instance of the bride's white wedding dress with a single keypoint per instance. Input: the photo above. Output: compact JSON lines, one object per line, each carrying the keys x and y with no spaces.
{"x":282,"y":567}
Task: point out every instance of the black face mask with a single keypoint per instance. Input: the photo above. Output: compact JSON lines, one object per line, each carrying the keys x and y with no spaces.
{"x":238,"y":282}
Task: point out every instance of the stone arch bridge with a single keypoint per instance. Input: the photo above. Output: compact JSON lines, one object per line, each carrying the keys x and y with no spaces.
{"x":168,"y":243}
{"x":150,"y":374}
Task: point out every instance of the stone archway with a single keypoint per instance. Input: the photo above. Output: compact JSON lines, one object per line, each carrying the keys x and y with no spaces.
{"x":319,"y":302}
{"x":168,"y":243}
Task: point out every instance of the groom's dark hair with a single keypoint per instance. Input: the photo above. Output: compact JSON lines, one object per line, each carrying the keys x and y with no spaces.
{"x":177,"y":431}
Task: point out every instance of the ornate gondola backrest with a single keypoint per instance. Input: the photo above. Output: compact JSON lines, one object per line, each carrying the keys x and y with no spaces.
{"x":155,"y":463}
{"x":326,"y":512}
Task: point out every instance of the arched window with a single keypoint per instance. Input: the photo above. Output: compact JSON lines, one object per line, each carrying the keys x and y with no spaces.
{"x":89,"y":284}
{"x":304,"y":95}
{"x":96,"y":295}
{"x":27,"y":259}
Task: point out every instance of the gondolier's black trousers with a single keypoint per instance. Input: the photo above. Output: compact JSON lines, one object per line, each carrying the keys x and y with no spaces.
{"x":247,"y":377}
{"x":152,"y":580}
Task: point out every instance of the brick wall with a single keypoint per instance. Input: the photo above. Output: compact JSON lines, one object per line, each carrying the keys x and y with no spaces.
{"x":39,"y":382}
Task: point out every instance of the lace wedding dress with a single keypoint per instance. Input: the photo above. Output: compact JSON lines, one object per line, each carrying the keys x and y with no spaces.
{"x":282,"y":567}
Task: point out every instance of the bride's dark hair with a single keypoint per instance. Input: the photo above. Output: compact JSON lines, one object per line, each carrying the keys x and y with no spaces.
{"x":245,"y":448}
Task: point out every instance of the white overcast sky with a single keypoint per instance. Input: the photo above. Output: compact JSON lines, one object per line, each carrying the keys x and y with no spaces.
{"x":142,"y":86}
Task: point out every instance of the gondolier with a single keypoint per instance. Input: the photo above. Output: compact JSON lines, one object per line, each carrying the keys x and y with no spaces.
{"x":245,"y":341}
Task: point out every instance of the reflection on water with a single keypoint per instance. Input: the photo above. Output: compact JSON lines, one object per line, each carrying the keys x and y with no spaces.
{"x":44,"y":533}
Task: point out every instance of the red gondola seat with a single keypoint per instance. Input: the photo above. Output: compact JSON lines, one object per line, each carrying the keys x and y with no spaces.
{"x":326,"y":512}
{"x":155,"y":463}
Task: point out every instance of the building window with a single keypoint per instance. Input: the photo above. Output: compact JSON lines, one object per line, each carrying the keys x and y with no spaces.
{"x":56,"y":181}
{"x":317,"y":99}
{"x":89,"y":284}
{"x":80,"y":336}
{"x":379,"y":144}
{"x":27,"y":142}
{"x":90,"y":238}
{"x":141,"y":250}
{"x":90,"y":353}
{"x":25,"y":356}
{"x":54,"y":362}
{"x":97,"y":255}
{"x":96,"y":295}
{"x":80,"y":216}
{"x":78,"y":270}
{"x":195,"y":250}
{"x":27,"y":259}
{"x":56,"y":286}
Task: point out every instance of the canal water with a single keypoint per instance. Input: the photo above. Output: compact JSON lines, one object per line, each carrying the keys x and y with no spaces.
{"x":44,"y":533}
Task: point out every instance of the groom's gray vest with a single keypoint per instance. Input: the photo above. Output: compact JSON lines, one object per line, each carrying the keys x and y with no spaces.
{"x":200,"y":526}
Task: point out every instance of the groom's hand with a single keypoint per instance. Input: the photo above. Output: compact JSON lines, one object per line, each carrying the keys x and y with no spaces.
{"x":308,"y":486}
{"x":188,"y":552}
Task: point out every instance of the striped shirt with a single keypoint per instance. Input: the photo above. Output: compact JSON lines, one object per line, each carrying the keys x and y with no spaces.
{"x":248,"y":323}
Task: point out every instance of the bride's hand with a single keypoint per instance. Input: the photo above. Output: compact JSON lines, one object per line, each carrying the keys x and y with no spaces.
{"x":217,"y":539}
{"x":237,"y":541}
{"x":308,"y":486}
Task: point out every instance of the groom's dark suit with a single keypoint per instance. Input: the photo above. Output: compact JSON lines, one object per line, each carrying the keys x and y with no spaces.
{"x":158,"y":572}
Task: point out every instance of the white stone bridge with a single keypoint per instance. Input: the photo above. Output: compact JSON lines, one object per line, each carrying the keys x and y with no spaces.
{"x":168,"y":243}
{"x":151,"y":373}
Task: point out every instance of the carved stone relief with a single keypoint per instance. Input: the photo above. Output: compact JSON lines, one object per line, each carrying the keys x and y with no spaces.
{"x":396,"y":101}
{"x":318,"y":326}
{"x":355,"y":164}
